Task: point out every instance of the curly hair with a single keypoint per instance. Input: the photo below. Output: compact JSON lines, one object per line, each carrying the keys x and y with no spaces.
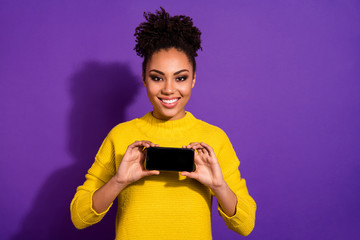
{"x":161,"y":31}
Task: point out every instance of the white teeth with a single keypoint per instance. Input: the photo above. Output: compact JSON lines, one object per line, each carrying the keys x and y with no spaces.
{"x":170,"y":101}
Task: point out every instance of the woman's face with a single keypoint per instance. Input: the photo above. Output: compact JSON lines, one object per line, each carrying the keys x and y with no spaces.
{"x":169,"y":79}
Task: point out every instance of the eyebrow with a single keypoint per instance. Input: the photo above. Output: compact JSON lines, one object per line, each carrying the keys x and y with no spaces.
{"x":176,"y":73}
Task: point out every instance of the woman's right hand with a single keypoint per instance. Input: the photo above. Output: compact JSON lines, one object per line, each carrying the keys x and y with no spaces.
{"x":130,"y":170}
{"x":132,"y":167}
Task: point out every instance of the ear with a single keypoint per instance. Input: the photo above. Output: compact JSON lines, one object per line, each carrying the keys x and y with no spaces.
{"x":143,"y":79}
{"x":193,"y":81}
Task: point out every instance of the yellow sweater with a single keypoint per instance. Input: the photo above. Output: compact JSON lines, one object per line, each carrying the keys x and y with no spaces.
{"x":167,"y":206}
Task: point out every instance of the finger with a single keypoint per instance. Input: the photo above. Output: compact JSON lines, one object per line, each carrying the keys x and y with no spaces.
{"x":200,"y":150}
{"x":197,"y":146}
{"x":189,"y":174}
{"x":149,"y":173}
{"x":186,"y":174}
{"x":144,"y":144}
{"x":207,"y":146}
{"x":153,"y":144}
{"x":139,"y":144}
{"x":190,"y":145}
{"x":135,"y":144}
{"x":209,"y":149}
{"x":204,"y":151}
{"x":155,"y":172}
{"x":200,"y":158}
{"x":147,"y":144}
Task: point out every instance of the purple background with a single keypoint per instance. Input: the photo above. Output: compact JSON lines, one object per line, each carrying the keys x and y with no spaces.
{"x":280,"y":77}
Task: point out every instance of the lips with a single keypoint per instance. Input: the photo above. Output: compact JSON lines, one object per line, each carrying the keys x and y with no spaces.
{"x":169,"y":102}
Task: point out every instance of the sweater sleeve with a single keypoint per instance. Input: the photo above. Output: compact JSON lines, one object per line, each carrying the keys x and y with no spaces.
{"x":101,"y":171}
{"x":243,"y":221}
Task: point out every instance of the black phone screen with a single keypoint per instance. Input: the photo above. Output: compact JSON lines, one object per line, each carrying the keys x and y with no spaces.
{"x":169,"y":159}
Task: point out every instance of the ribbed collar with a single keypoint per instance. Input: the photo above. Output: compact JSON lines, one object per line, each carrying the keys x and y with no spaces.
{"x":151,"y":126}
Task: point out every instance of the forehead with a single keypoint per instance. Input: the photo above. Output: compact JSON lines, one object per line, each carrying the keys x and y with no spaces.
{"x":169,"y":60}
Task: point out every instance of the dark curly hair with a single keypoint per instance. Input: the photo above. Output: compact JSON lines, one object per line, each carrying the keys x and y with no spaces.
{"x":161,"y":31}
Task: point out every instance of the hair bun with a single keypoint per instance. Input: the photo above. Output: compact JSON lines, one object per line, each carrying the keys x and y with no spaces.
{"x":161,"y":31}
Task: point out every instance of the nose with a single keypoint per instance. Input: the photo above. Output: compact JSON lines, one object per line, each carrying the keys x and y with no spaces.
{"x":168,"y":88}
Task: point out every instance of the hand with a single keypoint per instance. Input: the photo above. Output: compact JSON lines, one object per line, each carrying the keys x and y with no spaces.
{"x":208,"y":170}
{"x":132,"y":167}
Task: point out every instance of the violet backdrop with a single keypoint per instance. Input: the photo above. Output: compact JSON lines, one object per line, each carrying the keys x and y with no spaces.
{"x":280,"y":77}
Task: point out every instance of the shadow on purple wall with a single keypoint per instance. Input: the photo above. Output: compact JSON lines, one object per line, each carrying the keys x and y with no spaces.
{"x":100,"y":94}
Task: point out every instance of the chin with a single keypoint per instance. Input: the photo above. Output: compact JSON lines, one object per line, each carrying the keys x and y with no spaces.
{"x":168,"y":114}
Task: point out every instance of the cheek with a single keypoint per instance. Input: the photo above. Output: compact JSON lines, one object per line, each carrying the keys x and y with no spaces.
{"x":186,"y":89}
{"x":151,"y":89}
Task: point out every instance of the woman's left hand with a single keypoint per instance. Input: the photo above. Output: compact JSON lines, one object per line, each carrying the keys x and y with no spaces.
{"x":208,"y":170}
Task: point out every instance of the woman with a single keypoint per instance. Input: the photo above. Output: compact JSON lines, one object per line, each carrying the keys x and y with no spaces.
{"x":165,"y":205}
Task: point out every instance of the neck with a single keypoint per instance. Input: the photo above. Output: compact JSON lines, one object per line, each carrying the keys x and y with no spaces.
{"x":166,"y":118}
{"x":153,"y":126}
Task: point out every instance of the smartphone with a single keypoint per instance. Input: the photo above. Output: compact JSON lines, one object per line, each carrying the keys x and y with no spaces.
{"x":169,"y":159}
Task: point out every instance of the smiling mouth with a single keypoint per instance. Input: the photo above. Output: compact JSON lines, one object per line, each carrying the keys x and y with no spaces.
{"x":169,"y":101}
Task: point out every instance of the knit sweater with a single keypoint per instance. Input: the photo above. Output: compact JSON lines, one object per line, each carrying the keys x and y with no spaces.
{"x":169,"y":205}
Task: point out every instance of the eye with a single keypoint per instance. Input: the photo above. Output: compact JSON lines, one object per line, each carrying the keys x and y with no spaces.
{"x":155,"y":78}
{"x":181,"y":79}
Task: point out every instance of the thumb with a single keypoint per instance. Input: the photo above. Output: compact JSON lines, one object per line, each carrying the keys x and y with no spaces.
{"x":153,"y":172}
{"x":188,"y":174}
